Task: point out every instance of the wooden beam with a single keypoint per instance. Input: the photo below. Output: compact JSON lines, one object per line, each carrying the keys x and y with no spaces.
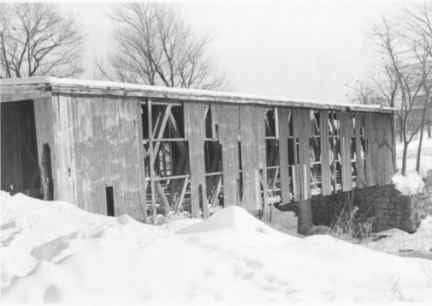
{"x":152,"y":159}
{"x":346,"y":134}
{"x":195,"y":133}
{"x":361,"y":179}
{"x":228,"y":122}
{"x":325,"y":156}
{"x":283,"y":121}
{"x":182,"y":195}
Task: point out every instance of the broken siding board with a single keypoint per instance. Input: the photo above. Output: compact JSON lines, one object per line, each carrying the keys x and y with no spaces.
{"x":384,"y":147}
{"x":43,"y":111}
{"x":302,"y":128}
{"x":283,"y":153}
{"x":194,"y":115}
{"x":228,"y":122}
{"x":260,"y":173}
{"x":325,"y":157}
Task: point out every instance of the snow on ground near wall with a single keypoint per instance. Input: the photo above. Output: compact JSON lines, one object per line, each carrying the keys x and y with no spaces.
{"x":55,"y":252}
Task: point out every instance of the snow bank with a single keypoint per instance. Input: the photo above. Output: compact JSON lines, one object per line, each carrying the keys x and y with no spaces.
{"x":411,"y":183}
{"x":55,"y":252}
{"x":398,"y":241}
{"x":231,"y":218}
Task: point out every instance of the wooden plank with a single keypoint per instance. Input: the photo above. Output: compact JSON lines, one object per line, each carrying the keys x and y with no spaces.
{"x":252,"y":140}
{"x":302,"y":129}
{"x":391,"y":149}
{"x":283,"y":153}
{"x":249,"y":157}
{"x":142,"y":182}
{"x":346,"y":134}
{"x":325,"y":156}
{"x":182,"y":195}
{"x":370,"y":154}
{"x":228,"y":123}
{"x":360,"y":180}
{"x":152,"y":158}
{"x":194,"y":115}
{"x":64,"y":149}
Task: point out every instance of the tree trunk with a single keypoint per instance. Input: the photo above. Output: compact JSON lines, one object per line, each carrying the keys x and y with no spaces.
{"x":404,"y":158}
{"x":420,"y":143}
{"x":422,"y":126}
{"x":429,"y":129}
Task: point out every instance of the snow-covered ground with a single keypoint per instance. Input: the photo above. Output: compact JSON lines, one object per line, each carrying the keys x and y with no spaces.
{"x":55,"y":252}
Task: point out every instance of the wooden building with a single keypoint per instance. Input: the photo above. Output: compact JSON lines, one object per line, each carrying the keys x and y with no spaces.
{"x":116,"y":148}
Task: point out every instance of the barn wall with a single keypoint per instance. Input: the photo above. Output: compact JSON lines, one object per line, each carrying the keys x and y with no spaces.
{"x":44,"y":116}
{"x":97,"y":143}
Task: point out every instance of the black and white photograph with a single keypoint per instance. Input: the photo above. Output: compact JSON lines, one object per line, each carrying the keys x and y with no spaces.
{"x":216,"y":152}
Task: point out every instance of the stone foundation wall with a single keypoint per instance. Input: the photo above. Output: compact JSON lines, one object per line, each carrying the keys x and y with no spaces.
{"x":386,"y":205}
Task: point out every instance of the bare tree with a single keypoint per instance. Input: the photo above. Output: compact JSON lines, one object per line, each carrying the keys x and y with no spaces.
{"x":156,"y":47}
{"x":36,"y":40}
{"x":406,"y":66}
{"x":420,"y":27}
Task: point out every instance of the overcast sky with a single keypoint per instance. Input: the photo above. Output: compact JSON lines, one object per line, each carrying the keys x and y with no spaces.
{"x":307,"y":50}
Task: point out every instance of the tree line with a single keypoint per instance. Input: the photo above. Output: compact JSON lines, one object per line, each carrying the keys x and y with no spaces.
{"x":153,"y":46}
{"x":403,"y":79}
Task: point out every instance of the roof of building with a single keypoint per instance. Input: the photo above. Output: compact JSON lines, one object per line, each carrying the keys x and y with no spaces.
{"x":91,"y":87}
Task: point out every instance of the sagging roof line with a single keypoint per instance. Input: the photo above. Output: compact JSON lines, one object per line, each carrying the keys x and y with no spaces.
{"x":77,"y":86}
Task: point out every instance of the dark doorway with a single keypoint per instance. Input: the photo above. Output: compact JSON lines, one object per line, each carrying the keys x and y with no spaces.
{"x":19,"y":156}
{"x":109,"y":192}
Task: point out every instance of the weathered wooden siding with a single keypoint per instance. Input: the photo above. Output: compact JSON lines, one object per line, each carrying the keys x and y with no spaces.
{"x":97,"y":144}
{"x":44,"y":114}
{"x":283,"y":153}
{"x":252,"y":132}
{"x":228,"y":123}
{"x":194,"y":115}
{"x":325,"y":158}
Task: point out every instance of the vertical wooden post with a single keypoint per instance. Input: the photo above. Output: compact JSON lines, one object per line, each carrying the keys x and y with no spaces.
{"x":346,"y":133}
{"x":325,"y":158}
{"x":304,"y":217}
{"x":152,"y":160}
{"x":370,"y":154}
{"x":360,"y":180}
{"x":283,"y":153}
{"x":303,"y":126}
{"x":228,"y":119}
{"x":194,"y":114}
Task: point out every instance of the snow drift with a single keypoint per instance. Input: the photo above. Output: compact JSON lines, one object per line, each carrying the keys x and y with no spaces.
{"x":55,"y":252}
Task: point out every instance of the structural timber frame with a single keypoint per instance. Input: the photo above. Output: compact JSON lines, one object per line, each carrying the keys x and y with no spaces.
{"x":161,"y":150}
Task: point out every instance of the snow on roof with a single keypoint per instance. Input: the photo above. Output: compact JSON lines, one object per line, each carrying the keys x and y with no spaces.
{"x":118,"y":88}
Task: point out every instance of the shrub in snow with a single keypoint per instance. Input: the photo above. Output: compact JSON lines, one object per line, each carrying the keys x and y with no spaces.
{"x":410,"y":184}
{"x":351,"y":223}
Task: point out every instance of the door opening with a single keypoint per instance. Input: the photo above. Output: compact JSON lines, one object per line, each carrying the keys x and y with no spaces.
{"x":109,"y":193}
{"x":19,"y":155}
